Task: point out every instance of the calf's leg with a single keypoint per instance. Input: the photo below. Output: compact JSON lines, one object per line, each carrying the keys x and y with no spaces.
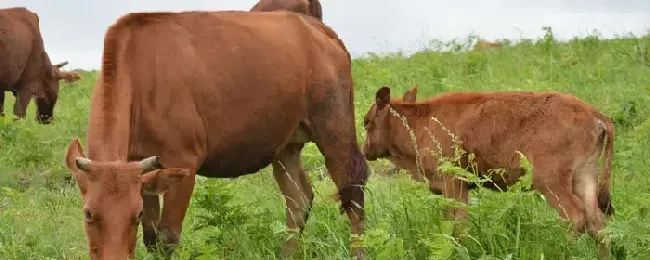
{"x":295,"y":186}
{"x":585,"y":187}
{"x":556,"y":185}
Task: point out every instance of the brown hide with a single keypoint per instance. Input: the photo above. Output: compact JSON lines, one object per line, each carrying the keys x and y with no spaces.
{"x":202,"y":91}
{"x":486,"y":46}
{"x":25,"y":67}
{"x":561,"y":136}
{"x":68,"y":76}
{"x":308,"y":7}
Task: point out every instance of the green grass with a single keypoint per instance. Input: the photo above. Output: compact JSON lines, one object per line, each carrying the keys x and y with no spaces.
{"x":40,"y":207}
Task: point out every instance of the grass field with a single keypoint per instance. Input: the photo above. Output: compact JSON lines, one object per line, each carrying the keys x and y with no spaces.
{"x":40,"y":207}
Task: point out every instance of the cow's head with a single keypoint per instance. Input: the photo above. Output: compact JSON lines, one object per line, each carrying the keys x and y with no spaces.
{"x":48,"y":94}
{"x":376,"y":123}
{"x":112,"y":203}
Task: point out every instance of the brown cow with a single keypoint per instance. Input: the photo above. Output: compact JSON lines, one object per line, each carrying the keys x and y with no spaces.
{"x":486,"y":46}
{"x":561,"y":136}
{"x":25,"y":67}
{"x":222,"y":107}
{"x":68,"y":76}
{"x":308,"y":7}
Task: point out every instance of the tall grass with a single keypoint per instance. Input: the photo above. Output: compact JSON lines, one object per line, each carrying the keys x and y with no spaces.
{"x":40,"y":206}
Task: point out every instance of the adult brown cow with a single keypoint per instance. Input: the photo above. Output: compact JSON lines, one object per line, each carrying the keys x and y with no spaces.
{"x":68,"y":76}
{"x":308,"y":7}
{"x":199,"y":93}
{"x":561,"y":136}
{"x":25,"y":67}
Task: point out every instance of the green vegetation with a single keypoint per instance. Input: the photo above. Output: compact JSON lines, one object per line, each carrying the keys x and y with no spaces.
{"x":40,"y":206}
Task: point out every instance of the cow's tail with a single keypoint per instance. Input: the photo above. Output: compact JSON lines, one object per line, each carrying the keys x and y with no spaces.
{"x":315,"y":9}
{"x":604,"y":185}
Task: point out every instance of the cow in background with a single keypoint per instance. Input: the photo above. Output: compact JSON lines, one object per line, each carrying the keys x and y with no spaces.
{"x":25,"y":67}
{"x":308,"y":7}
{"x":482,"y":45}
{"x":68,"y":76}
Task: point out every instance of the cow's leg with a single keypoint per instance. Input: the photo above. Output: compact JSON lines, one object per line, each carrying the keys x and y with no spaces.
{"x":334,"y":134}
{"x":23,"y":97}
{"x":2,"y":103}
{"x":297,"y":189}
{"x":585,"y":187}
{"x":175,"y":203}
{"x":151,"y":209}
{"x":556,"y":185}
{"x":457,"y":190}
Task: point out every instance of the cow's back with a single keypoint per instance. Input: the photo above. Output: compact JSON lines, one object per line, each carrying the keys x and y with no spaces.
{"x":495,"y":125}
{"x":216,"y":84}
{"x":20,"y":46}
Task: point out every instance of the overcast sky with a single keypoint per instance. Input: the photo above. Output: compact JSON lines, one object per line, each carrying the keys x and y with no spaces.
{"x":73,"y":30}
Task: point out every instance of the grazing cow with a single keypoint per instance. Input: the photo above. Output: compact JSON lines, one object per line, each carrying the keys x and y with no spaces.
{"x":561,"y":136}
{"x":486,"y":46}
{"x":308,"y":7}
{"x":25,"y":67}
{"x":68,"y":76}
{"x":199,"y":93}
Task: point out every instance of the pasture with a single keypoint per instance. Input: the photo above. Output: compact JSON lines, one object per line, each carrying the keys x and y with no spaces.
{"x":40,"y":206}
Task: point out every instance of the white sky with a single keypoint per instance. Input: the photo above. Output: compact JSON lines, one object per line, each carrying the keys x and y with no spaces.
{"x":73,"y":30}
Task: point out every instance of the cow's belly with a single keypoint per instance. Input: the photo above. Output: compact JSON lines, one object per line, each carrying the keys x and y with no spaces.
{"x":247,"y":155}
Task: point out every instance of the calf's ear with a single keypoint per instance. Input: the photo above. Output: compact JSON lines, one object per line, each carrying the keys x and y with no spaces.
{"x":382,"y":98}
{"x":157,"y":182}
{"x":75,"y":151}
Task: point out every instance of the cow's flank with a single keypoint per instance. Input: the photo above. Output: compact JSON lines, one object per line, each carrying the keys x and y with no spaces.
{"x":199,"y":93}
{"x":308,"y":7}
{"x":561,"y":136}
{"x":25,"y":67}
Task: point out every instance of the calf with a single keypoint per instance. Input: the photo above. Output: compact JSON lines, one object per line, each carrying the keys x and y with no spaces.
{"x":561,"y":136}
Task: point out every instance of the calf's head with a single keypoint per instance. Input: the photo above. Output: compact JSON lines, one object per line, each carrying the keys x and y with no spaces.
{"x":112,"y":202}
{"x":376,"y":123}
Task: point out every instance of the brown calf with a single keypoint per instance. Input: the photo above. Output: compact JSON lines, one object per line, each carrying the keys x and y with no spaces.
{"x":200,"y":93}
{"x":561,"y":136}
{"x":308,"y":7}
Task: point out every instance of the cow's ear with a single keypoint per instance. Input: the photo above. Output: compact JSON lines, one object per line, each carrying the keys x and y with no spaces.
{"x":382,"y":98}
{"x":157,"y":182}
{"x":410,"y":96}
{"x":77,"y":164}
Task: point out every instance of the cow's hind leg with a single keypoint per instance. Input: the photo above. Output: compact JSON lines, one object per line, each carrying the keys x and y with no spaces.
{"x":333,"y":131}
{"x":556,"y":186}
{"x":585,"y":187}
{"x":297,"y":190}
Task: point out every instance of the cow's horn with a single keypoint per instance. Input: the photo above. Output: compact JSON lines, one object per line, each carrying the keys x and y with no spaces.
{"x":62,"y":64}
{"x":83,"y":163}
{"x":150,"y":163}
